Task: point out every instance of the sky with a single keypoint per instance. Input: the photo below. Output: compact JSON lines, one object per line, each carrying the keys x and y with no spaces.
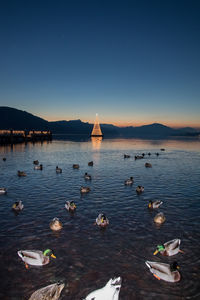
{"x":132,"y":62}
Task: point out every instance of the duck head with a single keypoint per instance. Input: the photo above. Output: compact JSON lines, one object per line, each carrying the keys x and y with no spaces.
{"x":49,"y":252}
{"x":159,"y":248}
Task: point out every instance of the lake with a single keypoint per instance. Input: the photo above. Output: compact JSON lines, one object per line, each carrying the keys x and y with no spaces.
{"x":87,"y":257}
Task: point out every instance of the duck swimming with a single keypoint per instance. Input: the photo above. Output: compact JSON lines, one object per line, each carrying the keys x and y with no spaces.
{"x":90,"y":163}
{"x":84,"y":189}
{"x":58,"y":170}
{"x":129,"y":181}
{"x":70,"y":206}
{"x":3,"y":191}
{"x":21,"y":173}
{"x":159,"y":218}
{"x":102,"y":220}
{"x":87,"y":176}
{"x":36,"y":162}
{"x":163,"y":271}
{"x":49,"y":292}
{"x":140,"y":189}
{"x":169,"y":248}
{"x":35,"y":257}
{"x":154,"y":204}
{"x":109,"y":292}
{"x":148,"y":165}
{"x":55,"y":224}
{"x":127,"y":156}
{"x":40,"y":167}
{"x":17,"y":206}
{"x":4,"y":158}
{"x":75,"y":166}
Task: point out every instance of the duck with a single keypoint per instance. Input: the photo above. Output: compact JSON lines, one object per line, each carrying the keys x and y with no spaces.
{"x":35,"y":257}
{"x":163,"y":271}
{"x":75,"y":166}
{"x":4,"y":158}
{"x":139,"y":157}
{"x":148,"y":165}
{"x":84,"y":189}
{"x":21,"y":173}
{"x":90,"y":163}
{"x":58,"y":170}
{"x":3,"y":191}
{"x":40,"y":167}
{"x":169,"y":248}
{"x":55,"y":224}
{"x":87,"y":176}
{"x":17,"y":206}
{"x":159,"y":218}
{"x":129,"y":181}
{"x":49,"y":292}
{"x":149,"y":153}
{"x":157,"y":154}
{"x":109,"y":292}
{"x":127,"y":156}
{"x":140,"y":189}
{"x":162,"y":149}
{"x":70,"y":206}
{"x":102,"y":220}
{"x":36,"y":162}
{"x":154,"y":204}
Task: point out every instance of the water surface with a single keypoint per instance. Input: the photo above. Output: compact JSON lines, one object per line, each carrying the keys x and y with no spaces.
{"x":86,"y":256}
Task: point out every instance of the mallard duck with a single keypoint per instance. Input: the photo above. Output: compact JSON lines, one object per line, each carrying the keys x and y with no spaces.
{"x":3,"y":191}
{"x":159,"y":218}
{"x":148,"y":165}
{"x":163,"y":271}
{"x":129,"y":181}
{"x":50,"y":292}
{"x":169,"y":248}
{"x":75,"y":166}
{"x":70,"y":206}
{"x":17,"y":206}
{"x":102,"y":220}
{"x":35,"y":257}
{"x":109,"y":292}
{"x":55,"y":224}
{"x":139,"y":157}
{"x":87,"y":176}
{"x":140,"y":189}
{"x":90,"y":163}
{"x":36,"y":162}
{"x":127,"y":156}
{"x":40,"y":167}
{"x":58,"y":170}
{"x":154,"y":204}
{"x":84,"y":189}
{"x":4,"y":158}
{"x":21,"y":173}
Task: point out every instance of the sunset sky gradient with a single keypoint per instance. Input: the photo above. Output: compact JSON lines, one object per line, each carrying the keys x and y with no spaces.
{"x":133,"y":62}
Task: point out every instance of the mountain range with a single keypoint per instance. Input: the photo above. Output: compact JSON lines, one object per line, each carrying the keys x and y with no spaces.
{"x":12,"y":118}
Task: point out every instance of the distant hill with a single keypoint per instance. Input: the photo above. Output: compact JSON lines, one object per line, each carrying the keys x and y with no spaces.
{"x":12,"y":118}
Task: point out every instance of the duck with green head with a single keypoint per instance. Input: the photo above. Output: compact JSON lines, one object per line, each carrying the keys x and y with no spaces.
{"x":169,"y":248}
{"x":35,"y":257}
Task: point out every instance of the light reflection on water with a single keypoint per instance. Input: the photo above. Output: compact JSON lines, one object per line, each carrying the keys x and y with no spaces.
{"x":88,"y":257}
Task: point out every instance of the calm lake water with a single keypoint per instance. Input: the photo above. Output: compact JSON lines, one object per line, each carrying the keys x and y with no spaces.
{"x":86,"y":256}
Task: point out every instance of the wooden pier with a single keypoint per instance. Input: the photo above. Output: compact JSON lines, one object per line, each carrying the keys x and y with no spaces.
{"x":19,"y":136}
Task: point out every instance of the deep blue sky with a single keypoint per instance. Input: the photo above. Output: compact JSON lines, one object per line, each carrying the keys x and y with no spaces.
{"x":133,"y":62}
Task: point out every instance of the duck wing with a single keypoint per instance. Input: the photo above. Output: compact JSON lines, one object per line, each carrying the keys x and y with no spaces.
{"x":51,"y":291}
{"x":172,"y":247}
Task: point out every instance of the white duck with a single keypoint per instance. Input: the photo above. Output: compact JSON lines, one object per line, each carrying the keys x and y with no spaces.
{"x":109,"y":292}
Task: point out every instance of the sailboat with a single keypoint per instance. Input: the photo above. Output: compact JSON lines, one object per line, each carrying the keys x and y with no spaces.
{"x":96,"y":131}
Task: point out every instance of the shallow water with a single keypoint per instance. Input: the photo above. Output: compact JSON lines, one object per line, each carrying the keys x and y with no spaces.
{"x":86,"y":256}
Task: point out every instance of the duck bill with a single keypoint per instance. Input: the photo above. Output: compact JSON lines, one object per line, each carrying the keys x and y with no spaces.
{"x":52,"y":255}
{"x":155,"y":252}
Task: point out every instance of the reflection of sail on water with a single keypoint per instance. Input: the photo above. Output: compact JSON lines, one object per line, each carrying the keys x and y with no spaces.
{"x":96,"y":142}
{"x":96,"y":128}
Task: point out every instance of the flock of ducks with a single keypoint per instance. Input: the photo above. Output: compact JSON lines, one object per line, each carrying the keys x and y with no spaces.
{"x":111,"y":290}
